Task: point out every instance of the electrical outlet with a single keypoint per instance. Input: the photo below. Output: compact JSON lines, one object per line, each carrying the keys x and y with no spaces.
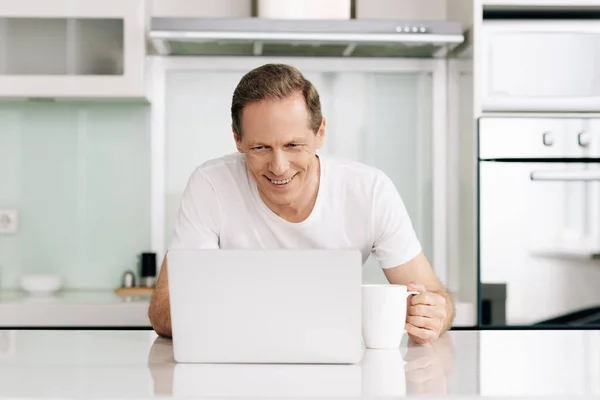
{"x":9,"y":221}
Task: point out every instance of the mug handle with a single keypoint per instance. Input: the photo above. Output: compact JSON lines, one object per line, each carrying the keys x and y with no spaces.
{"x":411,"y":293}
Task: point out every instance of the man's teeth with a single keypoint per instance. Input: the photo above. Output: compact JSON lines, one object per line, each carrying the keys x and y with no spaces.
{"x":281,"y":182}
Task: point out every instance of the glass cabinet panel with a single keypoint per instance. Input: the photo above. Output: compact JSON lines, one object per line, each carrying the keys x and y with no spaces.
{"x":61,"y":46}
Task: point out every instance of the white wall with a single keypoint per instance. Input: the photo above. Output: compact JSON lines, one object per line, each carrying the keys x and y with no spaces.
{"x":461,"y":11}
{"x":434,"y":10}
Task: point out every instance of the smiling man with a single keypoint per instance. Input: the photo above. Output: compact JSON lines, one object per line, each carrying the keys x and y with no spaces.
{"x":277,"y":192}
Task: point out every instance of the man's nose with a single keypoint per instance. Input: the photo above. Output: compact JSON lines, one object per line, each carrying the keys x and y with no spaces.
{"x":279,"y":164}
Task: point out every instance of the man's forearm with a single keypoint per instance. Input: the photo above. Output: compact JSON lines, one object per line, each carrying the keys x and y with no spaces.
{"x":159,"y":313}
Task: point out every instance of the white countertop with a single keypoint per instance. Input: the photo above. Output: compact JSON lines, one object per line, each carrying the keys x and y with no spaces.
{"x":83,"y":308}
{"x":128,"y":364}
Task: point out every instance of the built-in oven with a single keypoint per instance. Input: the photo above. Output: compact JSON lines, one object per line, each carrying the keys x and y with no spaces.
{"x":539,"y":219}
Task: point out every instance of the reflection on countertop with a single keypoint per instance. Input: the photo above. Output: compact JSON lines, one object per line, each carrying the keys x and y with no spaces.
{"x":411,"y":369}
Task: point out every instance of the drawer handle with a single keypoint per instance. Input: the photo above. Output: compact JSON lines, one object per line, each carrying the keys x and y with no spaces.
{"x":548,"y":139}
{"x":561,"y":176}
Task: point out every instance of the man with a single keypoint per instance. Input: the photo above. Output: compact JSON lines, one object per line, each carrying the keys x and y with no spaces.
{"x":276,"y":192}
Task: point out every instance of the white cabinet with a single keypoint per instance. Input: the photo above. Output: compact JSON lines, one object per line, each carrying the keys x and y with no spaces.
{"x":540,"y":65}
{"x":73,"y":48}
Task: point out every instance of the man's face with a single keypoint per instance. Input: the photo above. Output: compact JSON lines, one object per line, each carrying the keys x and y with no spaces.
{"x":280,"y":149}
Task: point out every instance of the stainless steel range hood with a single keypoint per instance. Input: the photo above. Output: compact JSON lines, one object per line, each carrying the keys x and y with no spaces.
{"x":308,"y":38}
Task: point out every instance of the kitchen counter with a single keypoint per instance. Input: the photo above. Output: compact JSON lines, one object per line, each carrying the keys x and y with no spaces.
{"x":103,"y":309}
{"x":72,"y":308}
{"x":128,"y":364}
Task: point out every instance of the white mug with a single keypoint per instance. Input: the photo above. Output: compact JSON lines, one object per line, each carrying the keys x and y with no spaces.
{"x":384,"y":315}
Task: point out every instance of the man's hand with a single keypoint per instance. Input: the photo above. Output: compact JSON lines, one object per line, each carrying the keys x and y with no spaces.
{"x":426,"y":314}
{"x":430,"y":313}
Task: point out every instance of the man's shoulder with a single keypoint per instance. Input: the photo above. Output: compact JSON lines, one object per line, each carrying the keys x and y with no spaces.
{"x":353,"y":172}
{"x":222,"y":174}
{"x":232,"y":165}
{"x":213,"y":165}
{"x":354,"y":181}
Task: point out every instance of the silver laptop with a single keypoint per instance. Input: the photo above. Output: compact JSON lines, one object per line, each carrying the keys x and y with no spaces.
{"x":266,"y":306}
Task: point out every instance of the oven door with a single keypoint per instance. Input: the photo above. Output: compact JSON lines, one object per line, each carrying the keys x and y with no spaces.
{"x":539,"y":233}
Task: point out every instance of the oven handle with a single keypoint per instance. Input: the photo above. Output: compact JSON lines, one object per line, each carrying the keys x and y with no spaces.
{"x":585,"y":175}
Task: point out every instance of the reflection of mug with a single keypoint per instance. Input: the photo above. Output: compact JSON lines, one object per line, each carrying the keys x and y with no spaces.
{"x":384,"y":315}
{"x":383,"y":373}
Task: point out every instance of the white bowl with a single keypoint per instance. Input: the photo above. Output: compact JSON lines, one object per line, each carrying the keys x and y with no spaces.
{"x":40,"y":284}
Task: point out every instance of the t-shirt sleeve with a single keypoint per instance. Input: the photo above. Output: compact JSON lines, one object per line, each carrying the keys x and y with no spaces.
{"x":197,"y":223}
{"x":395,"y":241}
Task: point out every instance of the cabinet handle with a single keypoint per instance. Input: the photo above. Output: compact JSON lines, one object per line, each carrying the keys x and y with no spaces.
{"x":548,"y":139}
{"x":562,"y":176}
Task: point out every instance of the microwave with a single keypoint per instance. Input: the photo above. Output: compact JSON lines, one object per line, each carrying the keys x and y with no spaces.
{"x":540,"y":65}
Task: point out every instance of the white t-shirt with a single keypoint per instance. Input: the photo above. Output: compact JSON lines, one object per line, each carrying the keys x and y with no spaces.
{"x":357,"y":207}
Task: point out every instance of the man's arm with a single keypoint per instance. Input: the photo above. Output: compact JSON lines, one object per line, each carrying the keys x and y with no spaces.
{"x":159,"y":311}
{"x":418,"y":275}
{"x":196,"y":227}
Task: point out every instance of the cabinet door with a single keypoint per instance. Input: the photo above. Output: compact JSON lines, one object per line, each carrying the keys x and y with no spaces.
{"x":540,"y":66}
{"x":72,"y":48}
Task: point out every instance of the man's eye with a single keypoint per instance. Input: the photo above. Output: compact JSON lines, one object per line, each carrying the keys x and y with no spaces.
{"x":292,"y":145}
{"x":258,"y":147}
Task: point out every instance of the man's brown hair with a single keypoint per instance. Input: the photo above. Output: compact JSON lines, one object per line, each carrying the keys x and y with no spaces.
{"x":274,"y":81}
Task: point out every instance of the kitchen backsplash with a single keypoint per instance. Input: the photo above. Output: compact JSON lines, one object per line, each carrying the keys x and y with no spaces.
{"x":79,"y":176}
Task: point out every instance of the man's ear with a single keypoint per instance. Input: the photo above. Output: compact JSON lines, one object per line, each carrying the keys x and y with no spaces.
{"x":321,"y":133}
{"x":238,"y":144}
